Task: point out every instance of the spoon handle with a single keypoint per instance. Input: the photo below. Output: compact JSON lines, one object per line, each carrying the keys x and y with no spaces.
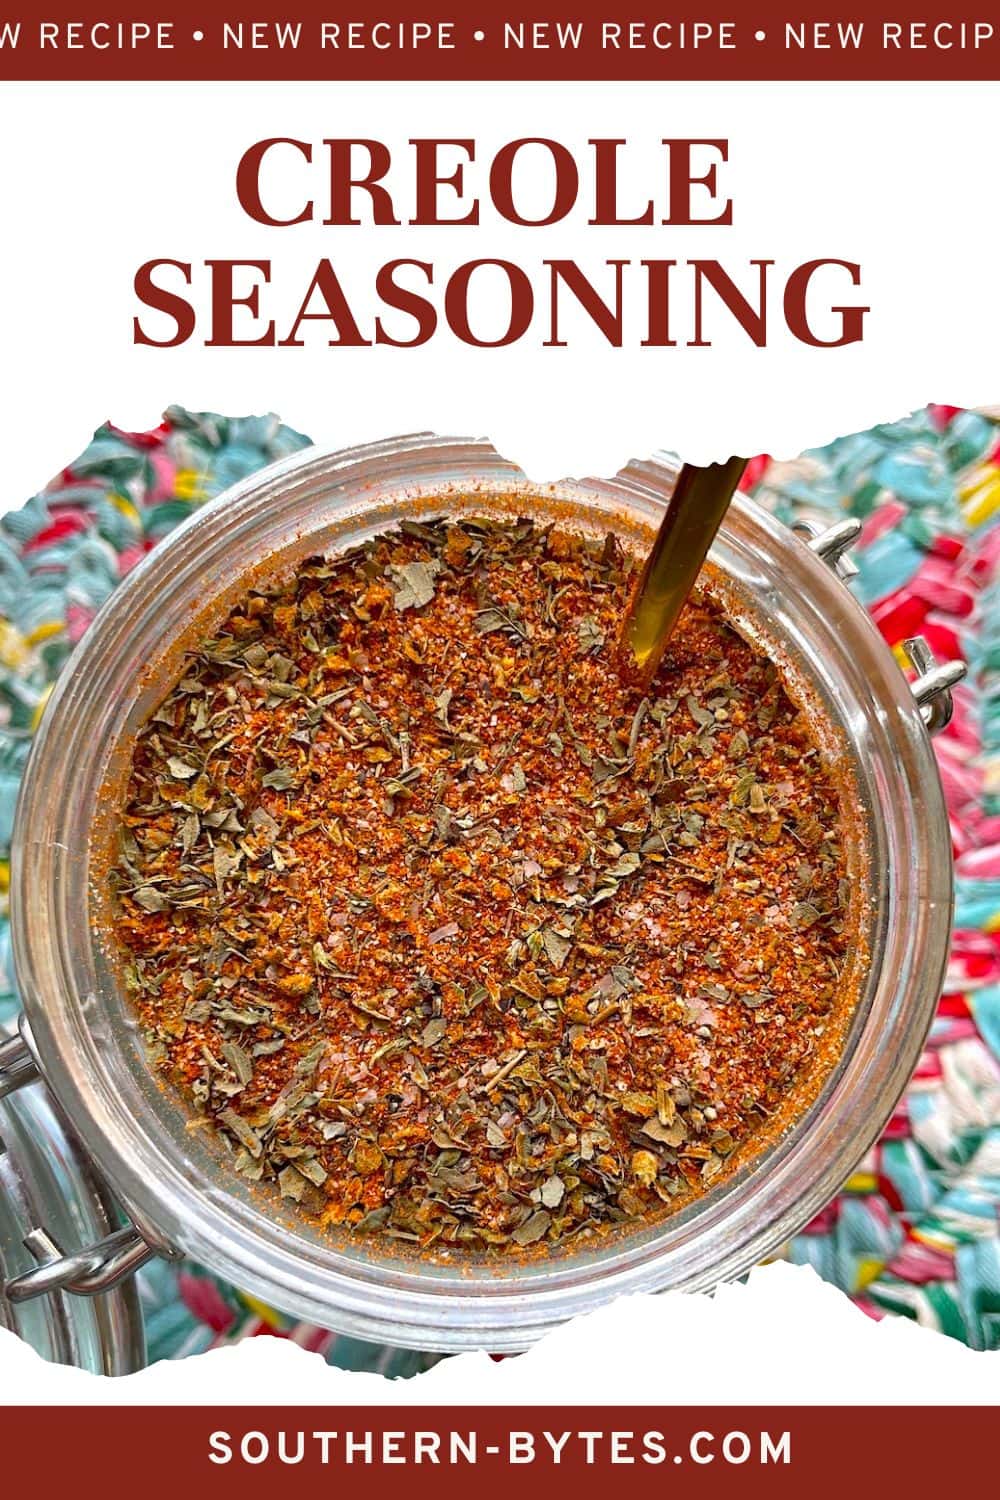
{"x":694,"y":514}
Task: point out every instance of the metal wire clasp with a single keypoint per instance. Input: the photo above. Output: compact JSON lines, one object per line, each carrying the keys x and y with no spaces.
{"x":832,"y":544}
{"x":17,"y":1066}
{"x":935,"y":680}
{"x":85,"y":1273}
{"x":933,"y":683}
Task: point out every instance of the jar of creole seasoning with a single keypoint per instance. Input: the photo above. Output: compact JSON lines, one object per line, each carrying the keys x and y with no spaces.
{"x":784,"y":590}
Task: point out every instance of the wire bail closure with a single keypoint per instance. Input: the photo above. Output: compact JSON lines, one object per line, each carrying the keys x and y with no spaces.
{"x":17,"y":1066}
{"x":934,"y":681}
{"x":84,"y":1273}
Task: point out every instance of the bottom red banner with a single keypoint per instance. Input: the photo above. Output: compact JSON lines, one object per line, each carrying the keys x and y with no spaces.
{"x":458,"y":1451}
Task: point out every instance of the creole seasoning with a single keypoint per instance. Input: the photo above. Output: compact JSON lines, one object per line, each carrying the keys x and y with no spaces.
{"x":451,"y":934}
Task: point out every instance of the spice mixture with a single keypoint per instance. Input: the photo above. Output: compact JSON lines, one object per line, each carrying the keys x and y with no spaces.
{"x":450,"y":932}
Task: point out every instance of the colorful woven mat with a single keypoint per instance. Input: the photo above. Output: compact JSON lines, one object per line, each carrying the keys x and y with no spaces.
{"x":915,"y":1230}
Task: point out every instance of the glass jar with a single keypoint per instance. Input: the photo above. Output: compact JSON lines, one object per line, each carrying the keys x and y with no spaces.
{"x":788,"y":593}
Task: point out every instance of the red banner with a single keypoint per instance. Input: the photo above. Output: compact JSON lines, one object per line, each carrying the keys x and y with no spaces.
{"x":449,"y":1454}
{"x":491,"y":40}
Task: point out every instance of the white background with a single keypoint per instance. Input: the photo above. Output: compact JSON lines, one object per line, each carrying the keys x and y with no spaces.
{"x":95,"y":180}
{"x":900,"y":177}
{"x":785,"y":1338}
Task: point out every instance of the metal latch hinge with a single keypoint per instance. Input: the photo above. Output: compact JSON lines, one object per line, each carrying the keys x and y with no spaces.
{"x":17,"y":1066}
{"x":935,"y":680}
{"x":85,"y":1273}
{"x":832,"y":544}
{"x":933,"y":684}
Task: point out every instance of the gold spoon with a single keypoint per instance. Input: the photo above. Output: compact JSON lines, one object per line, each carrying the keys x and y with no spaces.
{"x":694,"y":514}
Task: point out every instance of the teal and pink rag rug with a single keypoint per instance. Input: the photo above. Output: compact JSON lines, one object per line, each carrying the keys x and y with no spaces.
{"x":915,"y":1229}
